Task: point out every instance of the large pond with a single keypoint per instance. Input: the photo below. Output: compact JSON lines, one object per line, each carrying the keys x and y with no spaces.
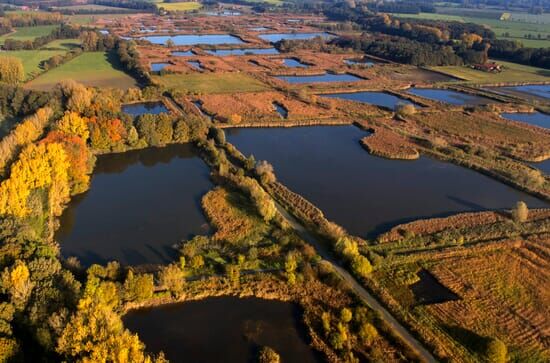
{"x":274,"y":38}
{"x":374,"y":98}
{"x":245,"y":51}
{"x":364,"y":193}
{"x":210,"y":39}
{"x":139,"y":204}
{"x":543,"y":165}
{"x":327,"y":77}
{"x":223,"y":329}
{"x":293,"y":63}
{"x":137,"y":109}
{"x":535,"y":118}
{"x":449,"y":96}
{"x":536,"y":90}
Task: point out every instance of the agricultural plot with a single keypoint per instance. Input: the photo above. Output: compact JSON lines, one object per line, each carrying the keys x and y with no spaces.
{"x":211,"y":82}
{"x":181,"y":6}
{"x":512,"y":73}
{"x":33,"y":59}
{"x":489,"y":286}
{"x":94,"y":69}
{"x":66,"y":44}
{"x":28,"y":33}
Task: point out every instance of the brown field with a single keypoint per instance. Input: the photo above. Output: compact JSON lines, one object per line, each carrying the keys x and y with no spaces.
{"x":385,"y":143}
{"x":502,"y":282}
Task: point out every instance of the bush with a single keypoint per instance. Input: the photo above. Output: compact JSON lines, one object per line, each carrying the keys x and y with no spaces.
{"x":496,"y":351}
{"x":520,"y":213}
{"x":405,"y":109}
{"x":361,"y":266}
{"x":367,"y":333}
{"x":172,"y":278}
{"x":268,"y":355}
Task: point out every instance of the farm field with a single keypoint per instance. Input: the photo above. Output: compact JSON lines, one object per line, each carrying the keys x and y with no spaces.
{"x":28,"y":33}
{"x":93,"y":7}
{"x":512,"y":73}
{"x":180,"y":6}
{"x":91,"y":69}
{"x":66,"y":44}
{"x":211,"y":82}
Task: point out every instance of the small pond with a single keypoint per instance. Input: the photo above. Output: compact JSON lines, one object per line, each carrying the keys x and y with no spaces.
{"x":543,"y":165}
{"x":260,"y":29}
{"x":374,"y":98}
{"x":223,"y":329}
{"x":535,"y":118}
{"x":157,"y":67}
{"x":536,"y":90}
{"x":281,"y":110}
{"x":188,"y":39}
{"x":327,"y":77}
{"x":195,"y":64}
{"x":274,"y":38}
{"x":364,"y":193}
{"x":428,"y":290}
{"x":245,"y":51}
{"x":139,"y":204}
{"x":187,"y":53}
{"x":294,"y":63}
{"x":137,"y":109}
{"x":449,"y":96}
{"x":364,"y":62}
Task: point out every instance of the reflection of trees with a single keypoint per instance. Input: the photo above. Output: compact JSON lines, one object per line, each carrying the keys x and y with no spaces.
{"x":118,"y":163}
{"x":253,"y":329}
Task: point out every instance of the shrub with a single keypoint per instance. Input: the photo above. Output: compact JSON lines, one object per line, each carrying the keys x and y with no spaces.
{"x":172,"y":278}
{"x":520,"y":213}
{"x":496,"y":351}
{"x":405,"y":109}
{"x":268,"y":355}
{"x":367,"y":333}
{"x":361,"y":266}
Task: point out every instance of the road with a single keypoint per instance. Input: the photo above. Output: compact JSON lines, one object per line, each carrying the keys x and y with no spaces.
{"x":367,"y":297}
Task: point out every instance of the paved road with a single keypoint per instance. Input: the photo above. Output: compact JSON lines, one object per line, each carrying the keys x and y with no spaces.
{"x":369,"y":299}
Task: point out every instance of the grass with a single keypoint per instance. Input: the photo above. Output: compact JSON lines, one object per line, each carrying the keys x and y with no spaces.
{"x":183,"y":6}
{"x":271,"y":2}
{"x":211,"y":82}
{"x":87,"y":19}
{"x":28,"y":33}
{"x":512,"y":73}
{"x":33,"y":58}
{"x":90,"y":7}
{"x":516,"y":30}
{"x":96,"y":69}
{"x":65,"y":44}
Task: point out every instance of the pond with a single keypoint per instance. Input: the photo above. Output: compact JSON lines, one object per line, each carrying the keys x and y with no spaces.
{"x":139,"y":204}
{"x":274,"y":38}
{"x":138,"y":109}
{"x":294,"y":63}
{"x":260,"y":29}
{"x":157,"y":67}
{"x":281,"y":110}
{"x":223,"y":329}
{"x":428,"y":290}
{"x":245,"y":51}
{"x":195,"y":64}
{"x":364,"y":193}
{"x":449,"y":96}
{"x":535,"y":118}
{"x":536,"y":90}
{"x":327,"y":77}
{"x":374,"y":98}
{"x":187,"y":53}
{"x":187,"y":39}
{"x":364,"y":62}
{"x":543,"y":165}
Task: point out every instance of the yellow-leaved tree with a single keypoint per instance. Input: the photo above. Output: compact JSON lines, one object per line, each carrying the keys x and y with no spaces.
{"x":72,"y":124}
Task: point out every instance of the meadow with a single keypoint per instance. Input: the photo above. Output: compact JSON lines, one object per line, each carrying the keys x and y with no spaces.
{"x":512,"y":73}
{"x":183,"y":6}
{"x":91,"y":69}
{"x":28,"y":33}
{"x":32,"y":59}
{"x":211,"y":82}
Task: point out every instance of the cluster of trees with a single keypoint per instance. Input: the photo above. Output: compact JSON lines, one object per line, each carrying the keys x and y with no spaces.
{"x":403,"y":7}
{"x":11,"y":70}
{"x":129,"y":57}
{"x":63,"y":32}
{"x":142,"y":5}
{"x":18,"y":102}
{"x":514,"y":51}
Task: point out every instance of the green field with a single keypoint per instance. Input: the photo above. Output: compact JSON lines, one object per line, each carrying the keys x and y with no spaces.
{"x":92,"y":69}
{"x":512,"y":73}
{"x":32,"y":58}
{"x":66,"y":44}
{"x":211,"y":82}
{"x":504,"y":29}
{"x":183,"y":6}
{"x":28,"y":33}
{"x":93,"y":7}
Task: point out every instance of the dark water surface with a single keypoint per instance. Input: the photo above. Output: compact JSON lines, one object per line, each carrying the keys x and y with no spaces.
{"x":535,"y":118}
{"x":157,"y":67}
{"x":210,"y":39}
{"x":536,"y":90}
{"x":223,"y":329}
{"x":187,"y":53}
{"x":543,"y":165}
{"x":449,"y":96}
{"x":138,"y":109}
{"x":328,"y":77}
{"x":364,"y":193}
{"x":374,"y":98}
{"x":139,"y":204}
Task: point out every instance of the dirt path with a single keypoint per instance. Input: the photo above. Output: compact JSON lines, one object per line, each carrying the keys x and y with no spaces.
{"x":369,"y":299}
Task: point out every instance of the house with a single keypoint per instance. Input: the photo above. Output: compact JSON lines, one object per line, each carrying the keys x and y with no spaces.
{"x":491,"y":67}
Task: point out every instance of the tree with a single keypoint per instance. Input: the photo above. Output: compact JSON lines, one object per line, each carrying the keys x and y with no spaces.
{"x":77,"y":97}
{"x":496,"y":351}
{"x":361,"y":266}
{"x":268,"y":355}
{"x":17,"y":284}
{"x":72,"y":124}
{"x":233,"y":273}
{"x":265,"y":171}
{"x":291,"y":263}
{"x":11,"y":70}
{"x":520,"y":213}
{"x":345,"y":315}
{"x":367,"y":333}
{"x":405,"y":109}
{"x":172,"y":278}
{"x":139,"y":287}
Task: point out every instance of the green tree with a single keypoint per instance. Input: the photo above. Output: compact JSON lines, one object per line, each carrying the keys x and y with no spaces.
{"x":173,"y":279}
{"x":139,"y":287}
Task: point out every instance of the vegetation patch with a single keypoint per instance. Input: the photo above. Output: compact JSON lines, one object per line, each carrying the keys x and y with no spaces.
{"x":388,"y":144}
{"x":96,"y":69}
{"x":512,"y":73}
{"x":29,"y":33}
{"x":211,"y":83}
{"x":180,"y":6}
